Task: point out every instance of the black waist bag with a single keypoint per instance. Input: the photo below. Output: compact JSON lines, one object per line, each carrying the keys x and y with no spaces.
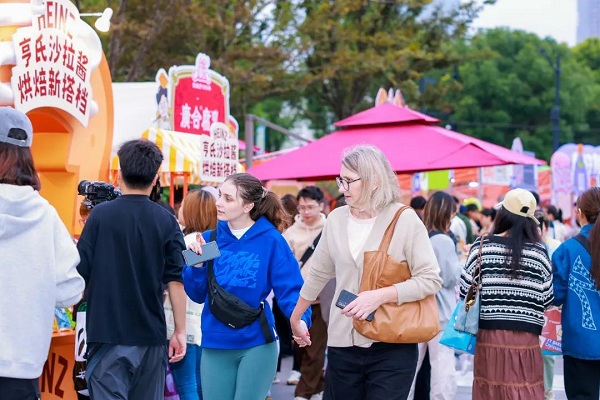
{"x":230,"y":309}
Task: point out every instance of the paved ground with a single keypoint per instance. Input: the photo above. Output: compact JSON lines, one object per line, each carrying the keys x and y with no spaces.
{"x":281,"y":391}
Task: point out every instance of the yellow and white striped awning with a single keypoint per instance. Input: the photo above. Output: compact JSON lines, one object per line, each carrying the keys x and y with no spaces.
{"x":181,"y":152}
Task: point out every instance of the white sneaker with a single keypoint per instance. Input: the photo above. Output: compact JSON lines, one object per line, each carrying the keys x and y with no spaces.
{"x":318,"y":396}
{"x":294,"y":378}
{"x":276,"y":379}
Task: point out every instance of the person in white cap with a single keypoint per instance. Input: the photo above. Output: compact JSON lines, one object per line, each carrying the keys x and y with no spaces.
{"x":516,"y":288}
{"x":38,"y":262}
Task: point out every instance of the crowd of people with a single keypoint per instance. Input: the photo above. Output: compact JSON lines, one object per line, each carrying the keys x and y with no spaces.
{"x":218,"y":326}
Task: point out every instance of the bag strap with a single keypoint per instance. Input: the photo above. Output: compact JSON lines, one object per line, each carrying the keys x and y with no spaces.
{"x":309,"y":251}
{"x":475,"y":284}
{"x":262,"y":317}
{"x":585,"y":242}
{"x":210,"y":266}
{"x":389,"y":232}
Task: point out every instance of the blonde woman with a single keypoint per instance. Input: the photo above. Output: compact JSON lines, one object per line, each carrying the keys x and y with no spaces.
{"x":359,"y":368}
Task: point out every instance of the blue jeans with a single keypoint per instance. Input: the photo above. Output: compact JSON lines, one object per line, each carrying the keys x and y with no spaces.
{"x":186,"y":374}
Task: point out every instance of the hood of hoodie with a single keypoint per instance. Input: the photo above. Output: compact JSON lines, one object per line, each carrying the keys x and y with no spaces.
{"x":260,"y":226}
{"x":21,"y":209}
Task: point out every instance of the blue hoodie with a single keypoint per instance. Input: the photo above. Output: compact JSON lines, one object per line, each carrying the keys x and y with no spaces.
{"x":574,"y":289}
{"x":249,"y":267}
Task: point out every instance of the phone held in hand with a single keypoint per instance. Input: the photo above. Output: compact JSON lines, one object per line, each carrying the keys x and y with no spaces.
{"x":346,"y":298}
{"x":210,"y":251}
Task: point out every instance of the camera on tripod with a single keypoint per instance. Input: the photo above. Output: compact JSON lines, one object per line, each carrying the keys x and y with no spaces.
{"x":96,"y":192}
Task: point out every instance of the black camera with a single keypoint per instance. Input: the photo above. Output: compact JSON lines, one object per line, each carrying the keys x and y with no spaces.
{"x":96,"y":192}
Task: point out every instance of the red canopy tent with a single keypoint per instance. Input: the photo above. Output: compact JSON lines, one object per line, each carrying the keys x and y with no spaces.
{"x":409,"y":139}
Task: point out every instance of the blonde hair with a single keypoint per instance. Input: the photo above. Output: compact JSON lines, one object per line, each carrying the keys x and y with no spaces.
{"x":199,"y":211}
{"x":379,"y":182}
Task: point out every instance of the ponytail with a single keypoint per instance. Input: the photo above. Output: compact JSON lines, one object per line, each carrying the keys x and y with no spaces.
{"x":271,"y":208}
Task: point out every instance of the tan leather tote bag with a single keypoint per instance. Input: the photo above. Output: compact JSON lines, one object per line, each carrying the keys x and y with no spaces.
{"x":414,"y":322}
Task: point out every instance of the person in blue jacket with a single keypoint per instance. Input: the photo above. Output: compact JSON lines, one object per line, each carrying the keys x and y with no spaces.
{"x":577,"y":288}
{"x":255,"y":259}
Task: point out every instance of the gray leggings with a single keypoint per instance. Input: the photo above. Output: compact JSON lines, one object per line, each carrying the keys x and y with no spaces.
{"x":245,"y":374}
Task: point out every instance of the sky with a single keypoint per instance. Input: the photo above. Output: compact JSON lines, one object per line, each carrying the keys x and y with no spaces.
{"x":555,"y":18}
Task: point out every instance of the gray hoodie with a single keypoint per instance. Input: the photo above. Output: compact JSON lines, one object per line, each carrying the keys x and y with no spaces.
{"x":38,"y":261}
{"x":450,"y":270}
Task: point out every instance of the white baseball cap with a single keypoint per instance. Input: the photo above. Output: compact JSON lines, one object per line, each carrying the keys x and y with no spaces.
{"x":519,"y":202}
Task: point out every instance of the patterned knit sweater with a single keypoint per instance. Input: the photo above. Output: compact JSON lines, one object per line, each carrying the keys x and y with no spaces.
{"x":508,"y":303}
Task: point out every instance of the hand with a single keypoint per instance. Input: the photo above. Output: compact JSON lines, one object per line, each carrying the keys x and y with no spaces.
{"x":300,"y":333}
{"x":363,"y":305}
{"x":197,"y":245}
{"x":177,"y":347}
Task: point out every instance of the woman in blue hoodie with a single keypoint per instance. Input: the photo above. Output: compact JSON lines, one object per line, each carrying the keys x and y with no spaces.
{"x":576,"y":267}
{"x":255,"y":259}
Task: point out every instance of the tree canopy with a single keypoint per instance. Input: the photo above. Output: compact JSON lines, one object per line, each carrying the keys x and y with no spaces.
{"x":323,"y":60}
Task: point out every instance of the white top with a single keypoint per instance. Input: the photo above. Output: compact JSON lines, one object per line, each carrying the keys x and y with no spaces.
{"x":238,"y":233}
{"x":358,"y":232}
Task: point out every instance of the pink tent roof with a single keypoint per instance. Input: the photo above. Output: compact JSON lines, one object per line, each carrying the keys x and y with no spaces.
{"x":410,"y":147}
{"x":386,"y":113}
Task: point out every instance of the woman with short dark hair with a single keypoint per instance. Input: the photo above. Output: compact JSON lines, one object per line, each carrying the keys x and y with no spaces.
{"x":437,"y":214}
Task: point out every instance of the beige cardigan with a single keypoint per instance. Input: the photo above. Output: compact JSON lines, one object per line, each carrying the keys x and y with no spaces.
{"x":332,"y":258}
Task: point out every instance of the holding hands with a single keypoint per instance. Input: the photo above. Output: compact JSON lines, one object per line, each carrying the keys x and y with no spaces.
{"x":300,"y":332}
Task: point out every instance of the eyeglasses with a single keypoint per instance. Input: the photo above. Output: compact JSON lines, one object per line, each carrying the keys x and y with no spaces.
{"x":310,"y":208}
{"x":344,"y":183}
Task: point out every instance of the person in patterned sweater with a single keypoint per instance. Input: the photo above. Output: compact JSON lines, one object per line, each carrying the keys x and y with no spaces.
{"x":516,"y":288}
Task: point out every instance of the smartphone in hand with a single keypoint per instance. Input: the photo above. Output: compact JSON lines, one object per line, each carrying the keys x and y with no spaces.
{"x":210,"y":251}
{"x":346,"y":298}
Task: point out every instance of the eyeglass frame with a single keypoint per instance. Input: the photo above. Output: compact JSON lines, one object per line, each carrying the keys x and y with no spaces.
{"x":309,"y":208}
{"x":344,"y":183}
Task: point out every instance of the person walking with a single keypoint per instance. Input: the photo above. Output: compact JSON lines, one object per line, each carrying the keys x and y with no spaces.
{"x":357,"y":367}
{"x":437,"y":214}
{"x":130,"y":247}
{"x":239,"y":363}
{"x":38,"y":259}
{"x":197,"y":213}
{"x":576,"y":267}
{"x":303,"y":236}
{"x":516,"y":289}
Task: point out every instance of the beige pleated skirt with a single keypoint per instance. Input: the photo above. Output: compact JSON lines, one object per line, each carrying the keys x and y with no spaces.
{"x":508,"y":365}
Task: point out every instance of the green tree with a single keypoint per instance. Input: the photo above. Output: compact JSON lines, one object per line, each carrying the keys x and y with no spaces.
{"x":351,"y":48}
{"x":248,"y":41}
{"x":509,"y":91}
{"x":587,"y":53}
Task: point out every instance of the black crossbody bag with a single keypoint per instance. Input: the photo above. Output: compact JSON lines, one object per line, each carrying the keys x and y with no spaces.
{"x":230,"y":309}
